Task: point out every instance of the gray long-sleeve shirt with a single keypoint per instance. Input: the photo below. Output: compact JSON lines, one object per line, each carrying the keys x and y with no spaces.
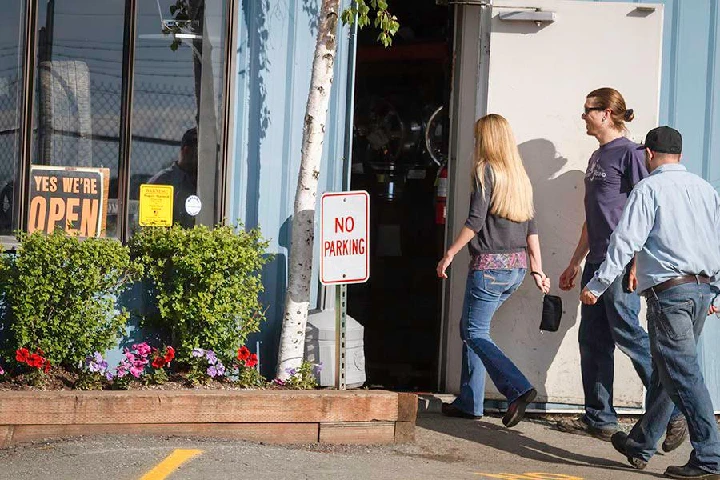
{"x":494,"y":234}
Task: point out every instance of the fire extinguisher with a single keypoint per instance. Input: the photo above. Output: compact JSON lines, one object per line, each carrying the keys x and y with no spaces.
{"x":441,"y":191}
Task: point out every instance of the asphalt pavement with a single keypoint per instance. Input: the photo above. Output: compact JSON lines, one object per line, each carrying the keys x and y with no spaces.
{"x":445,"y":448}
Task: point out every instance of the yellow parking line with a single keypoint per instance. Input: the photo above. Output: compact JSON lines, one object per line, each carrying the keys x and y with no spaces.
{"x":163,"y":469}
{"x":529,"y":476}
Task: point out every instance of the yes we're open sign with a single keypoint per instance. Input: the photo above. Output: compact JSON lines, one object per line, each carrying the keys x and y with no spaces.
{"x":70,"y":199}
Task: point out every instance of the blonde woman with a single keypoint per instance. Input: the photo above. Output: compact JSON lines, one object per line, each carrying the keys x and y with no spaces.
{"x":501,"y":234}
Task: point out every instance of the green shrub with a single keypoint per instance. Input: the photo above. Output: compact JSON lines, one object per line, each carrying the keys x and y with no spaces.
{"x":60,"y":295}
{"x":206,"y":283}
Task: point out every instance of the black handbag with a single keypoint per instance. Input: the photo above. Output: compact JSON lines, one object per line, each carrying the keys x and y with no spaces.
{"x":551,"y":313}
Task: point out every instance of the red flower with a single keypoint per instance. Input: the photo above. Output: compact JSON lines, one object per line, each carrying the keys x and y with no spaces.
{"x":169,"y":354}
{"x":36,"y":360}
{"x":251,"y":361}
{"x":159,"y":362}
{"x":22,"y":355}
{"x":39,"y":351}
{"x":46,"y":366}
{"x":243,"y":353}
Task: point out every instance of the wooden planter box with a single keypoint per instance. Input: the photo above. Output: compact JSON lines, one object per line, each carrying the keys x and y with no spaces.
{"x":272,"y":416}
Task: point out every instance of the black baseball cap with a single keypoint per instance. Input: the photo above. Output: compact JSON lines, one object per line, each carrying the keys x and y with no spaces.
{"x":663,"y":140}
{"x":189,"y":138}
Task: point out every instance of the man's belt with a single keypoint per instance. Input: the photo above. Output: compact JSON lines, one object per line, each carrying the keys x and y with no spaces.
{"x":674,"y":282}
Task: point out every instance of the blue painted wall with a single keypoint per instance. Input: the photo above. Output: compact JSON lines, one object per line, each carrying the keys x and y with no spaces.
{"x":275,"y":52}
{"x":690,"y":102}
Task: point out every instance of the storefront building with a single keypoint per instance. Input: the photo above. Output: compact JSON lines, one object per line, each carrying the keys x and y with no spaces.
{"x":205,"y":95}
{"x":209,"y":95}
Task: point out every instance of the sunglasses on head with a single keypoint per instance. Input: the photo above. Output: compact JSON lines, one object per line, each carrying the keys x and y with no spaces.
{"x":590,"y":109}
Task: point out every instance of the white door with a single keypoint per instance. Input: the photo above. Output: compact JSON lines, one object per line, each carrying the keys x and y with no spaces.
{"x":539,"y":74}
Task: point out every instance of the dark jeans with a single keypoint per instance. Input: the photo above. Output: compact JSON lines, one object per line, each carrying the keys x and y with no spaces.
{"x":485,"y":291}
{"x":675,"y":320}
{"x":613,"y":320}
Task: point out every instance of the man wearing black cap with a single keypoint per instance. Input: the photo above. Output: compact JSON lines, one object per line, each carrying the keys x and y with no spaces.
{"x":182,"y":175}
{"x":672,"y":222}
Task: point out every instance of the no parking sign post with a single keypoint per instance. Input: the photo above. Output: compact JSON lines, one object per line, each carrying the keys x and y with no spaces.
{"x":344,"y":257}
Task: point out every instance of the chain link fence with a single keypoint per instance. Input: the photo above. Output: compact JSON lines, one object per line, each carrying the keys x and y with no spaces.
{"x":161,"y":114}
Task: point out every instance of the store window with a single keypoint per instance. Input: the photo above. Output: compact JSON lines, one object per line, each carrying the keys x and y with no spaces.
{"x":125,"y":93}
{"x":177,"y":105}
{"x":77,"y":109}
{"x":11,"y":27}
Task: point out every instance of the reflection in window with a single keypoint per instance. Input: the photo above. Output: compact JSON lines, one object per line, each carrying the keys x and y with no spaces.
{"x":176,"y":108}
{"x":11,"y":22}
{"x":78,"y":93}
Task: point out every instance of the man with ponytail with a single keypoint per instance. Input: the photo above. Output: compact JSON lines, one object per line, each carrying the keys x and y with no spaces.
{"x":612,"y":172}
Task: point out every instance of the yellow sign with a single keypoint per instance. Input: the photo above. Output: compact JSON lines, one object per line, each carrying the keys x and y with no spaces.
{"x":156,"y":205}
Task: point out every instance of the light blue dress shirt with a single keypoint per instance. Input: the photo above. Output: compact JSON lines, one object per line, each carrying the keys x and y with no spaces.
{"x":672,"y":219}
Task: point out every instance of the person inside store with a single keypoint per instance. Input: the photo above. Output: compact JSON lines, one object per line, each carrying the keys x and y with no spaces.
{"x":502,"y":237}
{"x":671,"y":225}
{"x":182,"y":175}
{"x":613,"y":170}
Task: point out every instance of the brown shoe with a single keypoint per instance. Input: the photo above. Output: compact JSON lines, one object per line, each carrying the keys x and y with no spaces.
{"x":579,"y":426}
{"x":676,"y":433}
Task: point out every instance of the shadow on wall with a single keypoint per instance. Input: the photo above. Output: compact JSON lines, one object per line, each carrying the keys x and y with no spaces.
{"x":312,"y":10}
{"x":255,"y":14}
{"x":140,"y":302}
{"x":559,"y":213}
{"x":274,"y":274}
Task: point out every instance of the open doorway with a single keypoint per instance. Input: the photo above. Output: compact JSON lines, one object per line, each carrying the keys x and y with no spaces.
{"x":399,"y":147}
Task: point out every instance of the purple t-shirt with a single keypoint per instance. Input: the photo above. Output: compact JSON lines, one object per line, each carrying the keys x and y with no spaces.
{"x":613,"y":171}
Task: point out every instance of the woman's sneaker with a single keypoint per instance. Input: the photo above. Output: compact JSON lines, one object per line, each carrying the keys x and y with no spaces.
{"x":579,"y":426}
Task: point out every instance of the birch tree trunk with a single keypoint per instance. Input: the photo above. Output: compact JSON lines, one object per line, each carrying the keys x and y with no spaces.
{"x":297,"y":298}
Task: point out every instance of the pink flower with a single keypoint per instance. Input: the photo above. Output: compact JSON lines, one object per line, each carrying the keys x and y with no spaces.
{"x":2,"y":372}
{"x":135,"y":371}
{"x":143,"y":349}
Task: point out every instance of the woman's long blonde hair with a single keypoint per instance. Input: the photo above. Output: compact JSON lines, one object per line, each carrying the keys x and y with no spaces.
{"x":512,"y":195}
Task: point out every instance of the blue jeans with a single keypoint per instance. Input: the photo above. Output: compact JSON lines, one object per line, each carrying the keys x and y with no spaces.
{"x":675,"y":320}
{"x":613,"y":320}
{"x":485,"y":291}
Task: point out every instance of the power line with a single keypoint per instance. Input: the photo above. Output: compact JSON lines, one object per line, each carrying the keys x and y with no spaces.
{"x":110,"y":60}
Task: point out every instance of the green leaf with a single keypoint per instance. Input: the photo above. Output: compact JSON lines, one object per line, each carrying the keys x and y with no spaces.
{"x":383,"y":20}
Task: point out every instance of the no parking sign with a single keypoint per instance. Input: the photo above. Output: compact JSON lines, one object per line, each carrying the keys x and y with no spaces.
{"x":345,"y":237}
